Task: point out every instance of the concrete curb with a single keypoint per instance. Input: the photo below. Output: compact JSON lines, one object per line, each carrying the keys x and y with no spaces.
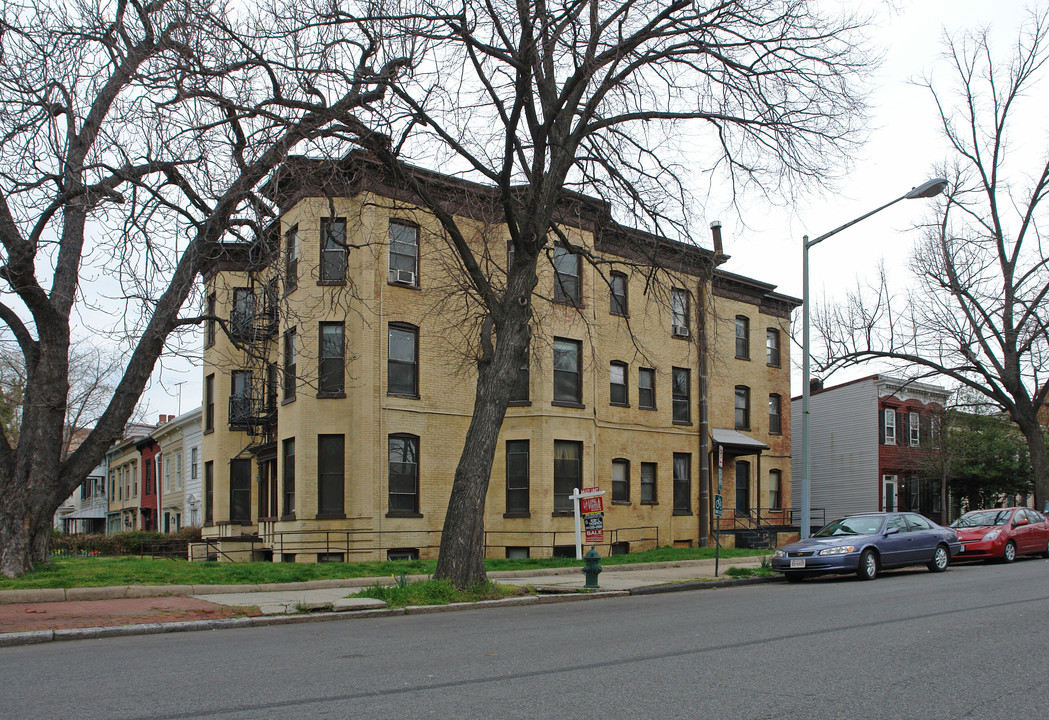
{"x":700,"y":585}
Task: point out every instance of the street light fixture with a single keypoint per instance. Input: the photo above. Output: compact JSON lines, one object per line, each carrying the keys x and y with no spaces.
{"x":929,"y":189}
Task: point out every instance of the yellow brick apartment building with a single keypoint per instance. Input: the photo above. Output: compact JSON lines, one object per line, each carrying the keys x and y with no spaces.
{"x":339,"y":380}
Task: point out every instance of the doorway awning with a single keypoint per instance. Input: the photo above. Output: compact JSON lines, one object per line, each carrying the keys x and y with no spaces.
{"x":737,"y":443}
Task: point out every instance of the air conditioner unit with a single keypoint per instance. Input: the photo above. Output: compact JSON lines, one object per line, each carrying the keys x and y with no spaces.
{"x":680,"y":331}
{"x":403,"y":277}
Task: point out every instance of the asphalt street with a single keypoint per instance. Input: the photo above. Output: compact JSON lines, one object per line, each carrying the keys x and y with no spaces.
{"x":966,"y":643}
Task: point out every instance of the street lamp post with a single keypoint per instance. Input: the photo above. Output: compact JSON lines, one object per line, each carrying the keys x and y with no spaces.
{"x":929,"y":189}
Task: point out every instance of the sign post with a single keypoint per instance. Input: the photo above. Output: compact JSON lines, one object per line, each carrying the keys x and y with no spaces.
{"x":587,"y":502}
{"x":718,"y":506}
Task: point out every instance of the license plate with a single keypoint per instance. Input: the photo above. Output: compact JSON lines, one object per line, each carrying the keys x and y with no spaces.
{"x":797,"y":563}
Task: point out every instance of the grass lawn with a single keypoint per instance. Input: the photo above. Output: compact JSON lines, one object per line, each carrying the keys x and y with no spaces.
{"x":67,"y":572}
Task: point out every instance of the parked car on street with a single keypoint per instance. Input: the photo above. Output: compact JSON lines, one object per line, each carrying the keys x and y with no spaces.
{"x":868,"y":543}
{"x":1002,"y":534}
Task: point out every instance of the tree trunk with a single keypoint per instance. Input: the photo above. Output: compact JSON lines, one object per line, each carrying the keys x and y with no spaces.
{"x":461,"y":558}
{"x":1035,"y":436}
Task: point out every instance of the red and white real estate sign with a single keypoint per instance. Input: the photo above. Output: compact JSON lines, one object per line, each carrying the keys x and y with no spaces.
{"x":593,"y":511}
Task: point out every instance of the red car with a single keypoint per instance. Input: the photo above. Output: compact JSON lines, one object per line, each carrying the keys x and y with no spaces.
{"x":1002,"y":534}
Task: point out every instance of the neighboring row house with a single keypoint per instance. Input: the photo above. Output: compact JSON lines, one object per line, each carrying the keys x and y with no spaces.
{"x":338,"y":386}
{"x":870,"y":442}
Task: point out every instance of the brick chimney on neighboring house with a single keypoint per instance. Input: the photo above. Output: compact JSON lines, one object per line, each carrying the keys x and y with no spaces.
{"x":715,"y":229}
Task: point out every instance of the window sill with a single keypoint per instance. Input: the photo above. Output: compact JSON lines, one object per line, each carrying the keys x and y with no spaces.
{"x":741,"y":357}
{"x":774,"y":432}
{"x":517,"y":515}
{"x":773,"y":365}
{"x":649,"y":502}
{"x":623,"y":405}
{"x":403,"y":514}
{"x":331,"y":395}
{"x":562,"y":403}
{"x":682,"y":512}
{"x":683,"y":423}
{"x":569,"y":302}
{"x":519,"y":403}
{"x":647,"y":407}
{"x":331,"y":515}
{"x":406,"y":396}
{"x":620,"y":502}
{"x":287,"y":401}
{"x":287,"y":518}
{"x":562,"y":513}
{"x":208,"y":431}
{"x":268,"y":519}
{"x":331,"y":283}
{"x":406,"y":286}
{"x":742,"y":429}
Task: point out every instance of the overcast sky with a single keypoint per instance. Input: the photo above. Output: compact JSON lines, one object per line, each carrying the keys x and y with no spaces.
{"x":905,"y":144}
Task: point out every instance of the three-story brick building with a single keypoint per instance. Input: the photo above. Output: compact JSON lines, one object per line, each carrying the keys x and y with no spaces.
{"x":338,"y":383}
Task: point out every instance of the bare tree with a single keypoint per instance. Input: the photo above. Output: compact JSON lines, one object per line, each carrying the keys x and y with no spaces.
{"x":134,"y":139}
{"x":978,"y":313}
{"x":540,"y":99}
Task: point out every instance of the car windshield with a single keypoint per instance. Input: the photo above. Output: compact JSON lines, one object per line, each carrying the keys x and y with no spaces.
{"x":982,"y":518}
{"x":856,"y":525}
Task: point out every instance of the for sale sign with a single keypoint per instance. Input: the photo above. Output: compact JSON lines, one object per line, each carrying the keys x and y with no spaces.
{"x":593,"y":511}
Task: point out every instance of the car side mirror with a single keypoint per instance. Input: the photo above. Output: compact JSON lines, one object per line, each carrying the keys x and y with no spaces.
{"x":1021,"y":521}
{"x":891,"y":531}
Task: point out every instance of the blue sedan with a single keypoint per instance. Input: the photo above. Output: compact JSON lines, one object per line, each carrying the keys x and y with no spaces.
{"x":868,"y":543}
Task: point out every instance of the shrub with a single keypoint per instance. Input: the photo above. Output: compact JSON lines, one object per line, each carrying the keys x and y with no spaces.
{"x":131,"y":542}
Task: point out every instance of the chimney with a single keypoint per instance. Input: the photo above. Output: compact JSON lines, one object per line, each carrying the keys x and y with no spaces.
{"x":715,"y":229}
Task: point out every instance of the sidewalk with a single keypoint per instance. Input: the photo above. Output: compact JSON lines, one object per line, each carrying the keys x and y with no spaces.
{"x":33,"y":616}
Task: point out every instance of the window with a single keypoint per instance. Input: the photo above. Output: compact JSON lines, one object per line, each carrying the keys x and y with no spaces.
{"x":648,"y":484}
{"x":679,"y":312}
{"x":333,"y":250}
{"x":566,"y":276}
{"x":330,"y":478}
{"x":240,"y":491}
{"x":178,"y":471}
{"x":289,"y":477}
{"x":775,"y":489}
{"x":167,"y":474}
{"x":682,"y":388}
{"x":291,"y":359}
{"x":621,"y":481}
{"x":618,"y":393}
{"x":568,"y":371}
{"x":646,"y":388}
{"x":242,"y":313}
{"x":775,"y":422}
{"x":519,"y":392}
{"x":889,"y":426}
{"x":682,"y":483}
{"x":404,"y":254}
{"x":291,"y":259}
{"x":403,"y":367}
{"x":617,"y":293}
{"x":742,"y":407}
{"x":240,"y":399}
{"x":209,"y":324}
{"x":742,"y":337}
{"x":404,"y":474}
{"x":772,"y":347}
{"x":194,"y":458}
{"x":209,"y":492}
{"x":209,"y":403}
{"x":517,"y":477}
{"x":915,"y":428}
{"x":332,"y":370}
{"x":568,"y":472}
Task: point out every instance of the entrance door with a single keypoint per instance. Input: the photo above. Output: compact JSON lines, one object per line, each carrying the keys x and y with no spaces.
{"x":742,"y":486}
{"x":889,"y":493}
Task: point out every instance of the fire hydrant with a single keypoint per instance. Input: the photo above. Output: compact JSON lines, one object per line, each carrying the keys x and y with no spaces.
{"x":591,"y":568}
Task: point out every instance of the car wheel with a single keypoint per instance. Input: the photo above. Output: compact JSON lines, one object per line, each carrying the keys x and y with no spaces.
{"x":940,"y":558}
{"x":868,"y":568}
{"x":794,"y":577}
{"x":1009,"y":554}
